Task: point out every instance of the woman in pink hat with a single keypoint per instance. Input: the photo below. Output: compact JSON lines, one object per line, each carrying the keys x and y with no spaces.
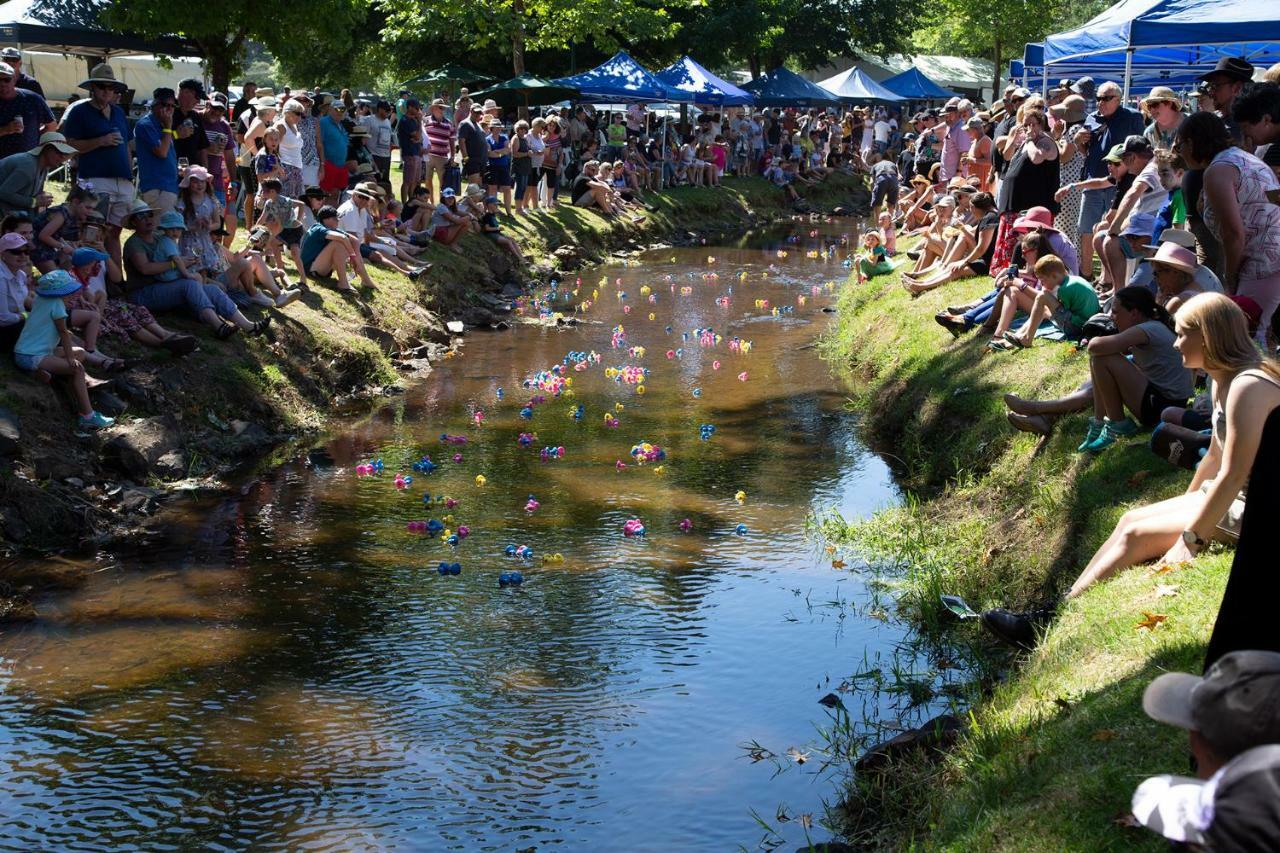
{"x":1174,"y":270}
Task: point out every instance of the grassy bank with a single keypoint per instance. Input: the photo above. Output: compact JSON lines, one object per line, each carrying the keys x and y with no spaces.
{"x":1052,"y":754}
{"x":232,"y":400}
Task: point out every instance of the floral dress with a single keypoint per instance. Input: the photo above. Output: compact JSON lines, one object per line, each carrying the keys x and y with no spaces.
{"x":119,"y":318}
{"x":196,"y":240}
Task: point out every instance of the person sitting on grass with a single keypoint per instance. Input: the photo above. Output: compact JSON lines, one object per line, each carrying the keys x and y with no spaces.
{"x":1167,"y":277}
{"x":45,"y":348}
{"x":354,"y":218}
{"x":872,"y":260}
{"x":888,"y":234}
{"x":986,"y":310}
{"x":935,"y":236}
{"x":969,"y":253}
{"x":1040,"y":220}
{"x":92,"y":268}
{"x":490,"y":227}
{"x":58,"y":228}
{"x":1067,"y":300}
{"x":588,"y":190}
{"x":448,"y":224}
{"x":158,"y":279}
{"x":326,"y":250}
{"x":1212,"y":335}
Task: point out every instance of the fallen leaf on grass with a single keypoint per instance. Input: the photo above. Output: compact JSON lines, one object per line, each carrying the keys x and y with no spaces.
{"x":1150,"y":621}
{"x":1165,"y":590}
{"x":831,"y":549}
{"x":1165,"y":568}
{"x":1138,"y":478}
{"x":1103,"y":735}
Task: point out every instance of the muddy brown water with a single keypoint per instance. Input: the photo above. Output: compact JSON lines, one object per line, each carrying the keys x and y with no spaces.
{"x":291,"y":671}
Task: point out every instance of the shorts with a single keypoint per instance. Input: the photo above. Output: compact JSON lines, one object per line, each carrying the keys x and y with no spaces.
{"x":248,"y":177}
{"x":522,"y":184}
{"x":441,"y":232}
{"x":498,"y":176}
{"x":290,"y":236}
{"x":1094,"y":204}
{"x":334,"y":178}
{"x":1062,"y":318}
{"x":979,"y":267}
{"x":383,"y":165}
{"x":27,"y":362}
{"x":473,"y":166}
{"x":366,"y":250}
{"x":161,"y":200}
{"x":1154,"y":402}
{"x":115,"y":197}
{"x":885,"y":189}
{"x":310,"y":175}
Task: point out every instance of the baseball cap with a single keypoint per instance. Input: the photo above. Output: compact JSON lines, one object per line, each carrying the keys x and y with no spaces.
{"x":1136,"y":145}
{"x":491,"y":199}
{"x":1235,"y":706}
{"x":1237,"y":809}
{"x":12,"y":240}
{"x":1139,"y":225}
{"x":86,"y":255}
{"x":10,"y":53}
{"x":1114,"y":155}
{"x":448,"y":192}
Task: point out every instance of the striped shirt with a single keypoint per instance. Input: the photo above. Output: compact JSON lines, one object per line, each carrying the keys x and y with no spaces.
{"x":439,"y":135}
{"x":551,"y":159}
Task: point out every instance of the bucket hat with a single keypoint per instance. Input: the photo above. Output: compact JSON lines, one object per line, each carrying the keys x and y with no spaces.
{"x":1163,"y":93}
{"x":1173,"y":255}
{"x":1035,"y":217}
{"x":173,"y":219}
{"x":199,"y":173}
{"x":56,"y":284}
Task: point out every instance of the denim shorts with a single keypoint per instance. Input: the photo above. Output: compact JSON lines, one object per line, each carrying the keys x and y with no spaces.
{"x":27,"y":362}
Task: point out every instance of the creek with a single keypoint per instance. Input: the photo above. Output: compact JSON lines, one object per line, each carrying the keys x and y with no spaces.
{"x":289,"y":669}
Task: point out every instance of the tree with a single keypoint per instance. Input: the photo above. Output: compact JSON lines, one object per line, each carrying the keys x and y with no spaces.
{"x":517,"y":27}
{"x":69,"y":13}
{"x":1000,"y":31}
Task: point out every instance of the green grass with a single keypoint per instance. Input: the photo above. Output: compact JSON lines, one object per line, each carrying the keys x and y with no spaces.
{"x":1002,"y":518}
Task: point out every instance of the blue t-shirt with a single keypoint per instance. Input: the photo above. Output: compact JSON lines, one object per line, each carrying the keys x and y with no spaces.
{"x":494,"y":144}
{"x":154,"y":173}
{"x":83,"y":121}
{"x":39,"y":336}
{"x":160,"y":249}
{"x":35,"y":115}
{"x":404,"y":136}
{"x":313,"y":243}
{"x":335,"y":141}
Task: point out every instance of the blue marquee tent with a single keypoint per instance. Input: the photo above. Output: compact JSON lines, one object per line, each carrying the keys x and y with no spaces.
{"x":617,"y":80}
{"x":914,"y":85}
{"x":783,"y":88}
{"x":853,"y":85}
{"x":1143,"y":39}
{"x":688,"y":82}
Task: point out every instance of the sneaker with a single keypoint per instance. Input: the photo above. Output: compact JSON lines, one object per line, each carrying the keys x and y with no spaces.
{"x":94,"y":421}
{"x":1017,"y":629}
{"x":1095,"y":430}
{"x":286,"y":297}
{"x":1111,"y":433}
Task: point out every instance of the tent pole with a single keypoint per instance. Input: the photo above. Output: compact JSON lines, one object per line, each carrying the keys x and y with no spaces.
{"x":1044,"y":82}
{"x":1128,"y":72}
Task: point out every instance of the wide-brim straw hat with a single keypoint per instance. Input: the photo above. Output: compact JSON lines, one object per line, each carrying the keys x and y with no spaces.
{"x":1172,"y":255}
{"x":52,"y":139}
{"x":103,"y":73}
{"x":1163,"y":93}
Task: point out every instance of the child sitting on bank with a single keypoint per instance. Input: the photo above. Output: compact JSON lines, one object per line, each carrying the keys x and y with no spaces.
{"x":45,"y":348}
{"x":888,"y":234}
{"x":490,"y":227}
{"x":873,"y":260}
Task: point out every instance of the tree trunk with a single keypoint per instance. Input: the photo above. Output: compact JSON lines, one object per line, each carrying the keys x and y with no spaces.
{"x":995,"y":83}
{"x":753,"y":62}
{"x":517,"y":47}
{"x":222,"y":58}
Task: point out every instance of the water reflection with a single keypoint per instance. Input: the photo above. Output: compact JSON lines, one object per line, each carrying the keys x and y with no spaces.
{"x":290,"y":671}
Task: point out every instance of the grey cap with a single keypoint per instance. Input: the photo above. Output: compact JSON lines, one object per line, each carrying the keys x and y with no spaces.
{"x":1235,"y":705}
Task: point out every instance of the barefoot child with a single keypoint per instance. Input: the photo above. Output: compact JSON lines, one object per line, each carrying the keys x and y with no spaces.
{"x":491,"y":229}
{"x":888,"y":235}
{"x":45,"y":347}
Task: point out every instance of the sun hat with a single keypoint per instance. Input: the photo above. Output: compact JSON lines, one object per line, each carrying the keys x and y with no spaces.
{"x":474,"y":190}
{"x":438,"y":102}
{"x":199,"y":173}
{"x":1233,"y":67}
{"x":1035,"y":217}
{"x":12,"y":240}
{"x":1177,"y":236}
{"x":358,"y":130}
{"x":1070,"y":110}
{"x":919,"y":179}
{"x":266,"y":102}
{"x":313,"y":192}
{"x":975,"y":122}
{"x":102,"y":73}
{"x":945,"y":201}
{"x":1163,"y":93}
{"x":364,"y":193}
{"x":295,"y":107}
{"x":138,"y":206}
{"x":305,"y":93}
{"x":1114,"y":155}
{"x":370,"y":187}
{"x":1238,"y":808}
{"x":86,"y":255}
{"x":476,"y":108}
{"x":56,"y":284}
{"x":491,"y":104}
{"x":55,"y":139}
{"x":172,"y":219}
{"x":1235,"y":706}
{"x":1173,"y":255}
{"x":365,"y":169}
{"x":1139,"y":225}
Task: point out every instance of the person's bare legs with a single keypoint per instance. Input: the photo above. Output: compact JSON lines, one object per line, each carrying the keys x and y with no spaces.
{"x":357,"y":261}
{"x":1117,"y":383}
{"x":1141,"y":535}
{"x":89,"y":322}
{"x":332,"y":260}
{"x":57,"y":364}
{"x":1076,"y":401}
{"x":1045,"y":304}
{"x":954,"y":272}
{"x":1113,"y":259}
{"x":1014,"y":300}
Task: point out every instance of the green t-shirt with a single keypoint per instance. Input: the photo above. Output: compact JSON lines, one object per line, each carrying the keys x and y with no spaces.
{"x":1177,"y":207}
{"x":1079,"y":298}
{"x":617,"y":135}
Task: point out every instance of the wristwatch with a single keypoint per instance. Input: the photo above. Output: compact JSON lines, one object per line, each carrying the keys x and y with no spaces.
{"x":1193,"y":541}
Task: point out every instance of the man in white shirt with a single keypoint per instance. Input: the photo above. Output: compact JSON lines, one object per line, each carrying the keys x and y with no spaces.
{"x":354,"y":218}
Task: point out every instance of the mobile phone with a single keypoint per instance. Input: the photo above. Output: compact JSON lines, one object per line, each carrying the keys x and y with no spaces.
{"x":183,"y":163}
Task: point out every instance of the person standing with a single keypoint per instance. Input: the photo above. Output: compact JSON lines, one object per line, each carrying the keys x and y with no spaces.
{"x":245,"y":103}
{"x":12,"y":57}
{"x":409,"y":138}
{"x":190,"y":140}
{"x":1111,"y":125}
{"x":475,"y":151}
{"x":97,"y":128}
{"x":380,"y":131}
{"x":335,"y":140}
{"x":23,"y":115}
{"x":442,"y":144}
{"x":153,"y":142}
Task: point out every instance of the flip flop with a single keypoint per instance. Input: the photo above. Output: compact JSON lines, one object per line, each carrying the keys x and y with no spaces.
{"x":1000,"y":346}
{"x":1015,"y":340}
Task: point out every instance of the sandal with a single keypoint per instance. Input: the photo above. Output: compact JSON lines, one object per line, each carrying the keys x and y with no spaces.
{"x":179,"y":344}
{"x":115,"y":365}
{"x":261,"y":326}
{"x":1015,"y":340}
{"x":1000,"y":346}
{"x":226,"y":330}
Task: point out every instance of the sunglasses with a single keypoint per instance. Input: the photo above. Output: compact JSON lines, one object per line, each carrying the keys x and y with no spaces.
{"x":1104,"y":98}
{"x":23,"y":251}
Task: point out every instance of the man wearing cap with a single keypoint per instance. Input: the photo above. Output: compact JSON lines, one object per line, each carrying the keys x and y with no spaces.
{"x":409,"y":137}
{"x":1232,"y":708}
{"x":475,"y":151}
{"x":189,"y":138}
{"x":22,"y":175}
{"x":1108,"y":127}
{"x":24,"y":115}
{"x":1146,"y":194}
{"x":955,"y":136}
{"x":335,"y":143}
{"x":245,"y":103}
{"x":1165,"y":108}
{"x":442,"y":142}
{"x":97,"y":128}
{"x":153,"y":143}
{"x":12,"y":57}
